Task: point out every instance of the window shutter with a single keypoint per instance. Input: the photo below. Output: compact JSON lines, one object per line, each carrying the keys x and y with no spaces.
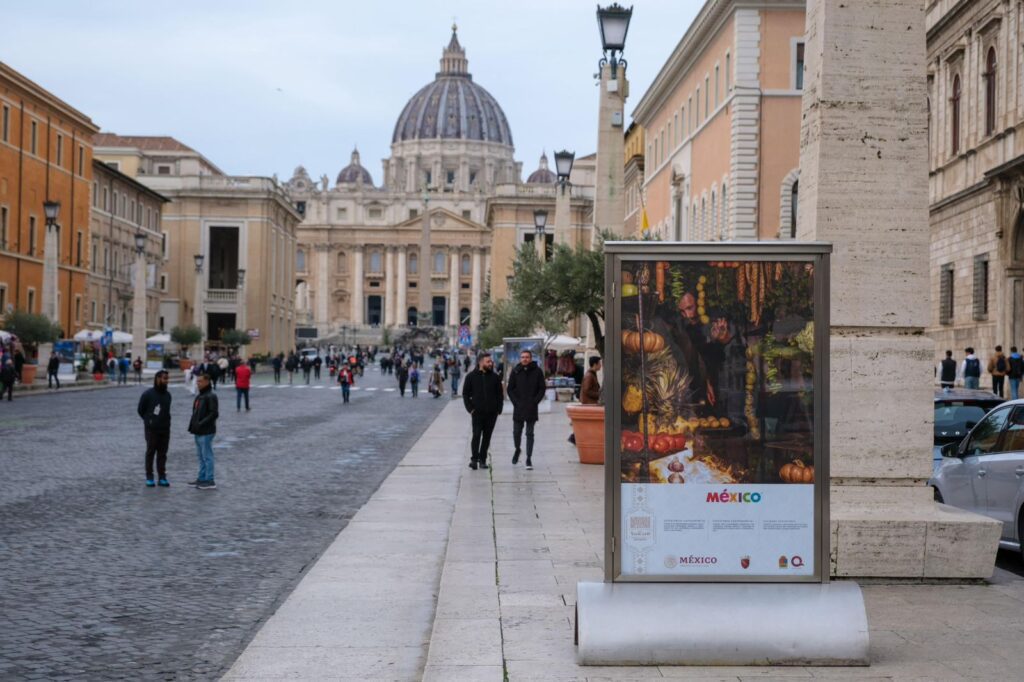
{"x":980,"y":307}
{"x":946,"y":294}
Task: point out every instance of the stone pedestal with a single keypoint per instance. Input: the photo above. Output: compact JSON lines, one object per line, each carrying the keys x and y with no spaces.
{"x":864,"y":188}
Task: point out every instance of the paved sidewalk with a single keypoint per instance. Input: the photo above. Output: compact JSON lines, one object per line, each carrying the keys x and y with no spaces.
{"x":504,"y":572}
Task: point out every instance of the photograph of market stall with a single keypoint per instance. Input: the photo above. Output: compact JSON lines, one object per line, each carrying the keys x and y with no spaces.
{"x":717,"y":372}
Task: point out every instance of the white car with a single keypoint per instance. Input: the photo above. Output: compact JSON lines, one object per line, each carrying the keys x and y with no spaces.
{"x":984,"y":472}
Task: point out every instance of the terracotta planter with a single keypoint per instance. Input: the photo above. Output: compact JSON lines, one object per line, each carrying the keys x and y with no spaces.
{"x":28,"y":374}
{"x":98,"y":376}
{"x":588,"y":425}
{"x":184,"y":363}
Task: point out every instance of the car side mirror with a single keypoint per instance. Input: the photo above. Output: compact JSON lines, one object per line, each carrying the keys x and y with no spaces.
{"x":950,"y":450}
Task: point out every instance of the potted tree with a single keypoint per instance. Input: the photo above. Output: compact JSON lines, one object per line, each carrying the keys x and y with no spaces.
{"x":234,"y":338}
{"x":31,"y":330}
{"x":185,"y":336}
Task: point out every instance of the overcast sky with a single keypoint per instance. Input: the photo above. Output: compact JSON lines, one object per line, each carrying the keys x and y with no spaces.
{"x":262,"y":86}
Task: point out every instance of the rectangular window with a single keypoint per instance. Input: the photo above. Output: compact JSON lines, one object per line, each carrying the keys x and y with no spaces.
{"x":33,"y":137}
{"x":717,"y":95}
{"x":5,"y":123}
{"x":946,"y":294}
{"x":798,"y":67}
{"x":466,"y":214}
{"x":675,"y":130}
{"x":449,"y":177}
{"x":78,"y":250}
{"x":94,"y":260}
{"x":342,"y":214}
{"x":707,"y":95}
{"x":165,"y":245}
{"x":689,"y":120}
{"x":163,"y":282}
{"x":728,"y":73}
{"x":3,"y":299}
{"x":413,"y":212}
{"x":31,"y":300}
{"x":60,"y":149}
{"x":163,"y":170}
{"x":698,"y":106}
{"x":106,"y":199}
{"x":116,"y":165}
{"x":78,"y":308}
{"x":81,"y":160}
{"x":146,"y":221}
{"x":662,"y":144}
{"x":3,"y":228}
{"x":31,"y":235}
{"x":92,"y":311}
{"x":981,"y":287}
{"x":375,"y":213}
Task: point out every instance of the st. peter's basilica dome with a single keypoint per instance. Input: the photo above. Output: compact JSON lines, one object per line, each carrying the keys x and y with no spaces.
{"x":543,"y":175}
{"x":354,"y":172}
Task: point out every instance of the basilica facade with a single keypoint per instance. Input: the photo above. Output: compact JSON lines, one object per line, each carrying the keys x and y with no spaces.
{"x":416,"y":249}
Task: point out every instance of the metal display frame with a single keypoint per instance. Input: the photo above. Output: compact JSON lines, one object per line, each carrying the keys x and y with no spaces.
{"x":619,"y":253}
{"x":510,"y":341}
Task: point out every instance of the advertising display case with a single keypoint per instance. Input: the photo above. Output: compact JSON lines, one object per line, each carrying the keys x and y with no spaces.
{"x":716,"y":365}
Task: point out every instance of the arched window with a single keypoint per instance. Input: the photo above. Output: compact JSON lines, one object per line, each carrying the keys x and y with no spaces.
{"x":375,"y":262}
{"x":990,"y":91}
{"x":703,"y":217}
{"x":411,"y":317}
{"x":464,"y":316}
{"x":725,"y":212}
{"x":693,"y":223}
{"x":439,"y":262}
{"x":466,"y":266}
{"x":414,"y":263}
{"x":794,"y":202}
{"x":342,"y":261}
{"x":954,"y":115}
{"x":714,"y":216}
{"x":300,"y":261}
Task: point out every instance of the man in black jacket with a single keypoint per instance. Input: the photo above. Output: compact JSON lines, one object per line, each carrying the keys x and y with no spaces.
{"x":481,"y":394}
{"x":526,"y":387}
{"x":155,"y":410}
{"x":52,"y":368}
{"x":203,"y":426}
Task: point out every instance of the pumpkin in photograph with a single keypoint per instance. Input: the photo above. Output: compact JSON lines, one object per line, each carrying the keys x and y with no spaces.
{"x":652,"y":342}
{"x":797,"y":472}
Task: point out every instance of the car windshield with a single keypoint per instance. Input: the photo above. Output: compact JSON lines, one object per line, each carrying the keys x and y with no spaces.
{"x":954,"y":418}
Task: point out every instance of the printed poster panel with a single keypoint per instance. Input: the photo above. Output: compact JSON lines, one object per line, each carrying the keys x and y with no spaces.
{"x":515,"y":346}
{"x":154,"y":355}
{"x":717,"y":419}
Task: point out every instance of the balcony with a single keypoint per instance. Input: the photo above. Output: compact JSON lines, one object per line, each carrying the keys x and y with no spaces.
{"x":222,"y":295}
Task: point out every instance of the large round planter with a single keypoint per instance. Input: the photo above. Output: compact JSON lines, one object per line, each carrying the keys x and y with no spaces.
{"x":28,"y":374}
{"x":184,"y":363}
{"x":588,"y":426}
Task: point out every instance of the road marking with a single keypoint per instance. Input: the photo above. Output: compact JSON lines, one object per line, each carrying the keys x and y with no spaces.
{"x":372,"y":388}
{"x":317,"y":387}
{"x":389,"y":390}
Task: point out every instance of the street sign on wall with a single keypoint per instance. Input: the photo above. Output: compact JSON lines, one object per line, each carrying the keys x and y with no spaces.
{"x":716,"y":412}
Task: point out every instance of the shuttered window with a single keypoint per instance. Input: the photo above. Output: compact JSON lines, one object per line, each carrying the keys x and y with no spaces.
{"x":981,"y":287}
{"x":946,"y":294}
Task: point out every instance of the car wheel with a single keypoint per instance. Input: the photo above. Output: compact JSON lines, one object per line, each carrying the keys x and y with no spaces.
{"x":938,"y":495}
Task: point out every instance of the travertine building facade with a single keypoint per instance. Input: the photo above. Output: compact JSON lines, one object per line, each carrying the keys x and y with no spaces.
{"x":976,"y":173}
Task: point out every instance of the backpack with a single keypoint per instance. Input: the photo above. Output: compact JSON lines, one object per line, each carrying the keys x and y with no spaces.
{"x":1016,"y":367}
{"x":972,"y":367}
{"x":1001,"y":364}
{"x":414,"y":375}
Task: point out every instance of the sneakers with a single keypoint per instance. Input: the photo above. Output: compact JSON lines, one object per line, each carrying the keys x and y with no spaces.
{"x":529,"y":464}
{"x":515,"y":457}
{"x":483,"y":465}
{"x":206,"y":485}
{"x":472,"y":464}
{"x":194,"y":483}
{"x":150,"y":483}
{"x":163,"y":483}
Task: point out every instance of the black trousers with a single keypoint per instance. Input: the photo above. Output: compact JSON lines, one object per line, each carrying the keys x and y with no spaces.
{"x":156,"y":444}
{"x":517,"y":436}
{"x":483,"y":427}
{"x":277,"y":375}
{"x":51,"y":377}
{"x":997,"y":385}
{"x":8,"y":388}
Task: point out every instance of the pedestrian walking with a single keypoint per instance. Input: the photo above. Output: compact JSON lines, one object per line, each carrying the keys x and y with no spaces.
{"x":203,"y":426}
{"x":436,"y":383}
{"x":137,"y":367}
{"x":970,"y":369}
{"x":317,"y":362}
{"x":947,"y":371}
{"x":1016,"y":362}
{"x":481,"y":394}
{"x":306,"y":367}
{"x":243,"y":376}
{"x":414,"y":380}
{"x":526,"y":387}
{"x":123,"y":365}
{"x":52,"y":368}
{"x":590,"y":389}
{"x":19,"y":364}
{"x":291,"y":366}
{"x":277,"y":363}
{"x":998,"y":367}
{"x":252,"y":365}
{"x":213,"y":371}
{"x":456,"y":373}
{"x":402,"y":374}
{"x":7,"y":378}
{"x":345,"y":379}
{"x":155,"y":411}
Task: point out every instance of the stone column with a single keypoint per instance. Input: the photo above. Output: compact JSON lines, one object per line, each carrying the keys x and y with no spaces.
{"x":139,"y":308}
{"x":609,"y":196}
{"x":426,"y":266}
{"x":323,"y":294}
{"x":49,"y":293}
{"x":477,"y":292}
{"x":198,"y":295}
{"x":453,"y":289}
{"x":563,"y":216}
{"x":357,"y":289}
{"x":389,"y":287}
{"x":401,"y":307}
{"x":864,"y":187}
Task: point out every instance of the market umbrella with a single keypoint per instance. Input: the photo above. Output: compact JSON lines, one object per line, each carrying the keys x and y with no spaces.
{"x":93,"y":335}
{"x":563,"y":342}
{"x":162,"y":337}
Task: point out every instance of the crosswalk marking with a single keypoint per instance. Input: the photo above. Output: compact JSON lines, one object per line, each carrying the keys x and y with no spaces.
{"x":317,"y":387}
{"x":388,"y":389}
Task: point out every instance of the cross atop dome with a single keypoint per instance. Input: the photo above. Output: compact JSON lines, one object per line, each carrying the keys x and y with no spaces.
{"x":453,"y":59}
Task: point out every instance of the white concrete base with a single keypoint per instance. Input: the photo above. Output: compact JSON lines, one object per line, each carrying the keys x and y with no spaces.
{"x":721,"y":624}
{"x":899,"y":532}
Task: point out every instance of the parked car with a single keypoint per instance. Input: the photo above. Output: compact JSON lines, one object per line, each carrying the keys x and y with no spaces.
{"x":957,"y":410}
{"x":984,"y":472}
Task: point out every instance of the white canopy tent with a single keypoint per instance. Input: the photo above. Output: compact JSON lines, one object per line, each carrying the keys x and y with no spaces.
{"x":96,"y":336}
{"x":563,"y":342}
{"x":162,"y":337}
{"x":5,"y":337}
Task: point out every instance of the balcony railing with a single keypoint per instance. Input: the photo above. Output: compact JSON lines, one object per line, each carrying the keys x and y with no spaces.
{"x":222,"y":295}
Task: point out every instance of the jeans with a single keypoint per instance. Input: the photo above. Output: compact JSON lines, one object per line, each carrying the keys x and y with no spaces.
{"x":517,"y":436}
{"x":51,"y":377}
{"x":1014,"y":388}
{"x":970,"y":382}
{"x":455,"y":385}
{"x":997,"y":385}
{"x":122,"y":378}
{"x":204,"y":451}
{"x":415,"y":388}
{"x":277,"y":375}
{"x":156,"y":444}
{"x":239,"y":393}
{"x":483,"y":427}
{"x":346,"y":390}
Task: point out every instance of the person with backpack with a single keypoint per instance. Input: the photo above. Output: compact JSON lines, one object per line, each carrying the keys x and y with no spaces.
{"x":998,"y":367}
{"x":345,"y":378}
{"x":947,"y":371}
{"x":414,"y":379}
{"x":122,"y":370}
{"x":1016,"y":372}
{"x":970,"y":369}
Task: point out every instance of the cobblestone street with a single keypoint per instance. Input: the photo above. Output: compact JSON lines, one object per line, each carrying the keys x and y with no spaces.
{"x":101,"y":577}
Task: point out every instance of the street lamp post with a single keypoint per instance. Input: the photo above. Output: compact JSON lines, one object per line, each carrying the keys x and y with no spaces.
{"x":609,"y":203}
{"x":139,"y":305}
{"x":241,"y":304}
{"x":51,"y":210}
{"x":563,"y":169}
{"x":614,"y":24}
{"x":540,"y":221}
{"x":197,"y":304}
